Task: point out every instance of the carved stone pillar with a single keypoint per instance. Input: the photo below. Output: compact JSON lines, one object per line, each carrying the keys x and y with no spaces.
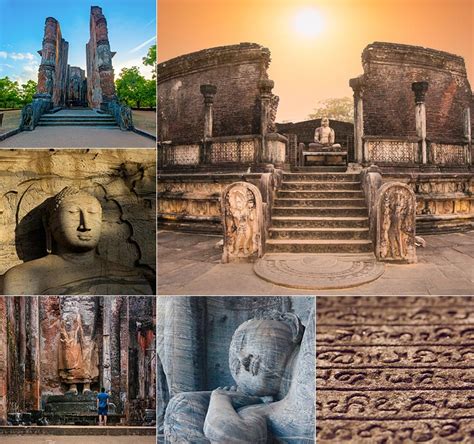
{"x":33,"y":343}
{"x":46,"y":70}
{"x":3,"y":361}
{"x":357,"y":86}
{"x":208,"y":91}
{"x":106,"y":361}
{"x":467,"y":134}
{"x":420,"y":88}
{"x":265,"y":86}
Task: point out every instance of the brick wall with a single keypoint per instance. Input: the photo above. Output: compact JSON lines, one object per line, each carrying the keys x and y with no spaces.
{"x":389,"y":105}
{"x":235,"y":70}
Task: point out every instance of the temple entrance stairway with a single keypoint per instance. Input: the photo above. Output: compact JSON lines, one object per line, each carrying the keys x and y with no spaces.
{"x":78,"y":117}
{"x":319,"y":210}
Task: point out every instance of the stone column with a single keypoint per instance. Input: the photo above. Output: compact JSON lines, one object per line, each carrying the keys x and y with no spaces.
{"x":467,"y":133}
{"x":265,"y":86}
{"x":208,"y":91}
{"x":420,"y":88}
{"x":106,"y":376}
{"x":124,"y":357}
{"x":357,"y":86}
{"x":34,"y":358}
{"x":3,"y":361}
{"x":46,"y":72}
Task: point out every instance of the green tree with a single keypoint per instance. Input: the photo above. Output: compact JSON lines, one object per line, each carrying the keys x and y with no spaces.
{"x":132,"y":87}
{"x":9,"y":93}
{"x":28,"y":90}
{"x":336,"y":109}
{"x":150,"y":59}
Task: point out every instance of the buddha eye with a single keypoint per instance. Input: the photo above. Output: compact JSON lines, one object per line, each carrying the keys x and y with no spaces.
{"x":92,"y":211}
{"x":73,"y":211}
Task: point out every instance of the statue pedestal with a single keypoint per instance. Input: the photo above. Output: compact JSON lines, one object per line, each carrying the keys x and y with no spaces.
{"x":75,"y":409}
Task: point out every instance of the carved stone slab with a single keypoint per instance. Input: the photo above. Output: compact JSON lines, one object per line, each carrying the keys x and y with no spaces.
{"x":242,"y":218}
{"x":396,"y":224}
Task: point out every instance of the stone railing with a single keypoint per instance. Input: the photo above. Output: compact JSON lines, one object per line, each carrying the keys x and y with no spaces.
{"x":449,"y":153}
{"x":391,"y":150}
{"x":31,"y":113}
{"x":122,"y":115}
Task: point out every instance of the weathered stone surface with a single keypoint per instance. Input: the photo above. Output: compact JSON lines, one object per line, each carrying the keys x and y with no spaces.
{"x":100,"y":73}
{"x":271,"y":344}
{"x":242,"y":218}
{"x":123,"y":181}
{"x":396,"y":369}
{"x":76,"y":87}
{"x":396,"y":224}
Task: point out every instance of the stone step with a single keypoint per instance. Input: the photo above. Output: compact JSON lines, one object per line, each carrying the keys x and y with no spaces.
{"x":318,"y":246}
{"x":319,"y":194}
{"x":319,"y":211}
{"x":319,"y":222}
{"x":323,"y":185}
{"x":320,"y":177}
{"x":56,"y":117}
{"x":310,"y":202}
{"x":319,"y":169}
{"x":78,"y":431}
{"x":101,"y":124}
{"x":319,"y":233}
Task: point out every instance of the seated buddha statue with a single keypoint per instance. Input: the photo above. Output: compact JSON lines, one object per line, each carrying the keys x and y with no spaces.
{"x":324,"y":137}
{"x":73,"y":221}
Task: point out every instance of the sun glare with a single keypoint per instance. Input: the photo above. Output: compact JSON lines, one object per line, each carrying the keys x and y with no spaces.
{"x":308,"y":22}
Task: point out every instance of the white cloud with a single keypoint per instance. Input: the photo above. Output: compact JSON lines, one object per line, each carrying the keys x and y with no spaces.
{"x":137,"y":48}
{"x":3,"y":54}
{"x":21,"y":56}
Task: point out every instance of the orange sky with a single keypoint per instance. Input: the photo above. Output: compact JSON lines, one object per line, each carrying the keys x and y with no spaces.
{"x":307,"y":69}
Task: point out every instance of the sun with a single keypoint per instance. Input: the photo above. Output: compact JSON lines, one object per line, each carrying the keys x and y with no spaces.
{"x":308,"y":22}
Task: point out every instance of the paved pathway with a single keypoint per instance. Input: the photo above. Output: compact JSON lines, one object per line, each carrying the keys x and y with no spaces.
{"x":395,"y":370}
{"x":190,"y":264}
{"x":77,"y":137}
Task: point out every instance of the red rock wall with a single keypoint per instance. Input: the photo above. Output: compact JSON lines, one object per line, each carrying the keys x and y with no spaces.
{"x":389,"y":104}
{"x":235,"y":70}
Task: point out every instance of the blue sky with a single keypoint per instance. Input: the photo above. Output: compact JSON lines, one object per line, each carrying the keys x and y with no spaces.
{"x":131,"y":25}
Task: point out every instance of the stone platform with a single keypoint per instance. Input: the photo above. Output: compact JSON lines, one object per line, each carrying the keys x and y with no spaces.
{"x":395,"y":369}
{"x":318,"y":271}
{"x":77,"y":430}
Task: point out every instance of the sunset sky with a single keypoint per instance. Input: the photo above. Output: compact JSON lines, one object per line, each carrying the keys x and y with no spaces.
{"x":316,"y":45}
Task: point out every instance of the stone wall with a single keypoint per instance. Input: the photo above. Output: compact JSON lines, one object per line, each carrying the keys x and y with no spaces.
{"x":388,"y":99}
{"x":53,"y":70}
{"x":100,"y":73}
{"x":235,"y":70}
{"x":122,"y":180}
{"x":76,"y":94}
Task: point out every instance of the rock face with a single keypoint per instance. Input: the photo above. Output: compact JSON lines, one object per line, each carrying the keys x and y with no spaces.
{"x":235,"y":71}
{"x":100,"y":73}
{"x":118,"y":331}
{"x":197,"y":342}
{"x":123,"y":185}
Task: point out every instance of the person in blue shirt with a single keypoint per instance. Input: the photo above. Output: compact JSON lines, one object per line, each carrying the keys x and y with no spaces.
{"x":102,"y":406}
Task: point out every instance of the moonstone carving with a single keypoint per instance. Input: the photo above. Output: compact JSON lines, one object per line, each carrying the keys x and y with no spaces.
{"x":395,"y":237}
{"x":242,"y":213}
{"x":72,"y":220}
{"x":272,"y":360}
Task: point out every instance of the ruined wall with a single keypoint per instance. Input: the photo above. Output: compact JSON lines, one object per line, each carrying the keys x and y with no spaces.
{"x":122,"y":180}
{"x":235,"y":70}
{"x":100,"y":73}
{"x":53,"y":70}
{"x":389,"y":105}
{"x":76,"y":94}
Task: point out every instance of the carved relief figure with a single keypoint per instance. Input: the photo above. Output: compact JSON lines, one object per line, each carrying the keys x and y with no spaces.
{"x":242,"y":212}
{"x":77,"y":357}
{"x":396,"y":223}
{"x":273,"y":400}
{"x":27,"y":117}
{"x":72,"y":220}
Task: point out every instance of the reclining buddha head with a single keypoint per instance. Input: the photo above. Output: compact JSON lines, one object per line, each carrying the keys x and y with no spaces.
{"x":260,"y":351}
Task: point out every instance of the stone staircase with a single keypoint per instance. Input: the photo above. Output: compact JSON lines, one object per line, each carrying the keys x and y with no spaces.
{"x":319,"y":210}
{"x":88,"y":118}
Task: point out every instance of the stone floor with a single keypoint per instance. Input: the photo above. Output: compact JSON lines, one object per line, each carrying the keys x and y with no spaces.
{"x":190,"y":264}
{"x":49,"y":439}
{"x":77,"y":137}
{"x":395,"y":370}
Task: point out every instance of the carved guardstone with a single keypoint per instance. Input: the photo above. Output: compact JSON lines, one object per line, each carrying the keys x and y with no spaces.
{"x":396,"y":223}
{"x":242,"y":217}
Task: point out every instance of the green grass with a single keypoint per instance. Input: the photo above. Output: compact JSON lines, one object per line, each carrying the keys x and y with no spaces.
{"x":145,"y":120}
{"x":11,"y":120}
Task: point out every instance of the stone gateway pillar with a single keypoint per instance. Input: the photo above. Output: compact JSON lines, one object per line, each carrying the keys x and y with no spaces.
{"x":100,"y":73}
{"x":420,"y":88}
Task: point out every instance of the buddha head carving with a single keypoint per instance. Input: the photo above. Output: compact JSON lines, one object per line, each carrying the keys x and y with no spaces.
{"x":324,"y":121}
{"x":260,"y":351}
{"x":73,"y":220}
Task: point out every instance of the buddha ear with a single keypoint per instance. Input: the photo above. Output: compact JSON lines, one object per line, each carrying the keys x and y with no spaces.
{"x":49,"y":237}
{"x":297,"y":328}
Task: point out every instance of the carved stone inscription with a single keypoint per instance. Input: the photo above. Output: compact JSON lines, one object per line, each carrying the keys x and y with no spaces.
{"x":395,"y":237}
{"x":242,"y":212}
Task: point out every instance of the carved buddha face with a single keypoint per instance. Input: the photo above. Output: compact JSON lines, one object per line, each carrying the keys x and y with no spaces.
{"x":76,"y":220}
{"x":325,"y":122}
{"x":258,"y":355}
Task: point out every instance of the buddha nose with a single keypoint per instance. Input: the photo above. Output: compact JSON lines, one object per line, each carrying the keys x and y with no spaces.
{"x":83,"y":222}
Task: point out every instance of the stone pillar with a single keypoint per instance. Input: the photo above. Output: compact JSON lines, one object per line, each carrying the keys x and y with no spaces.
{"x":106,"y":377}
{"x":46,"y":72}
{"x":34,"y":358}
{"x":124,"y":357}
{"x":208,"y":91}
{"x":265,"y":86}
{"x":3,"y":361}
{"x":420,"y":88}
{"x":357,"y":86}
